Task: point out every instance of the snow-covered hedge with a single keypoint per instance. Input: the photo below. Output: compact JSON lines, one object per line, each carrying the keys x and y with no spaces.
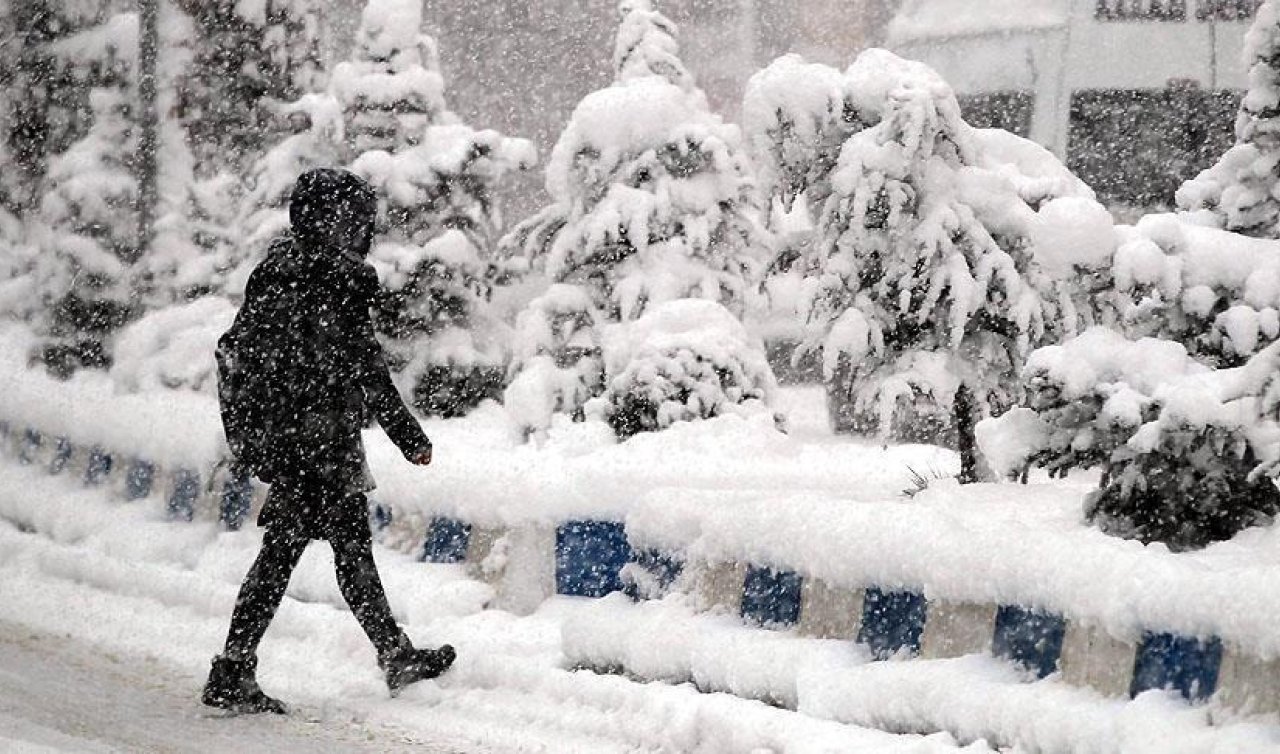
{"x":172,"y":348}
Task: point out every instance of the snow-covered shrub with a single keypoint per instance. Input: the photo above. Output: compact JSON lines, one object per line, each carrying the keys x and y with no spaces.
{"x":941,"y":258}
{"x":1187,"y":452}
{"x":558,"y":361}
{"x":684,"y":360}
{"x":1239,"y":193}
{"x":653,"y":197}
{"x":173,"y":347}
{"x":89,"y":239}
{"x":435,"y":178}
{"x":1215,"y":292}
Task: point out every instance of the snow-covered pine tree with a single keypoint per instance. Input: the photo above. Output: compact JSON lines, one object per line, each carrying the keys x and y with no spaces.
{"x":1239,"y":193}
{"x":66,"y":48}
{"x":435,"y":177}
{"x":653,"y":197}
{"x":316,"y":141}
{"x":89,"y":238}
{"x":250,"y":57}
{"x":935,"y":274}
{"x":796,"y":117}
{"x":1215,"y":292}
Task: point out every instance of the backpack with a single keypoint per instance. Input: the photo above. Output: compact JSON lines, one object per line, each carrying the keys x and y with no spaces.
{"x":243,"y":398}
{"x":268,"y":361}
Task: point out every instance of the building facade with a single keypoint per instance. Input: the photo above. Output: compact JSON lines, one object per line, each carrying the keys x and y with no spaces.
{"x":1135,"y":95}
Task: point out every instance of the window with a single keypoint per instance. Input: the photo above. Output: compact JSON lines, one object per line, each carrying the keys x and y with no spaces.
{"x":1135,"y":147}
{"x":1141,"y":10}
{"x":1227,"y":10}
{"x":1010,"y":110}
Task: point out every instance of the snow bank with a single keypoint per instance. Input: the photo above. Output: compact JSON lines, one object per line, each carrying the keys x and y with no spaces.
{"x":172,"y":347}
{"x":973,"y":698}
{"x":171,"y":427}
{"x":83,"y":571}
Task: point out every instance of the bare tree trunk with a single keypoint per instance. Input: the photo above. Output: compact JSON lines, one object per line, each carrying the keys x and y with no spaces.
{"x":148,"y":123}
{"x":965,"y":421}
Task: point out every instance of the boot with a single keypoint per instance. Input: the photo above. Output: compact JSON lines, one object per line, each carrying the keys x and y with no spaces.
{"x":232,"y":686}
{"x":407,"y":665}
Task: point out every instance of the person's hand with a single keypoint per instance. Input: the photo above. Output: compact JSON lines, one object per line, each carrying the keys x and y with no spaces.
{"x":423,"y":458}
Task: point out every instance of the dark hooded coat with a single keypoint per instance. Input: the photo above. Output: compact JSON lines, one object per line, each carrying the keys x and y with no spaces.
{"x":309,"y":300}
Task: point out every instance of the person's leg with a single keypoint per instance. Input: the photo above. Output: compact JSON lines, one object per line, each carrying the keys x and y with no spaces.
{"x":262,"y":591}
{"x":361,"y":587}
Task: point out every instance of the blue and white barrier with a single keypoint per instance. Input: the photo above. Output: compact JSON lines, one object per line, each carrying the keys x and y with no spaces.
{"x":189,"y":494}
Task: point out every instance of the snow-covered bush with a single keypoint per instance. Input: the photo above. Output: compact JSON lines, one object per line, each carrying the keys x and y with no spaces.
{"x":944,"y":254}
{"x":1187,"y":452}
{"x":89,"y":239}
{"x":435,"y":178}
{"x":173,"y":347}
{"x":684,"y":360}
{"x":653,"y":197}
{"x":1239,"y":193}
{"x":445,"y":341}
{"x":1215,"y":292}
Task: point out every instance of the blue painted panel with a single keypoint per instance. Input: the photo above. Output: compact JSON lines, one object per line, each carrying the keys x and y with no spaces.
{"x":1030,"y":638}
{"x":99,"y":466}
{"x":61,"y":455}
{"x":447,"y":541}
{"x":29,"y":446}
{"x":1184,"y":664}
{"x":138,"y":479}
{"x":891,"y":622}
{"x":237,"y":500}
{"x":380,"y":516}
{"x":663,"y":568}
{"x":771,"y":598}
{"x":589,"y":558}
{"x":182,"y":498}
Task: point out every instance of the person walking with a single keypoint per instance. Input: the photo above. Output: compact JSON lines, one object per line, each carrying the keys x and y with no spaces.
{"x":299,"y":373}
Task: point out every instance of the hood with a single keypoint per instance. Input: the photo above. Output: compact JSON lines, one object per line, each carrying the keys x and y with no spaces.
{"x":332,"y":211}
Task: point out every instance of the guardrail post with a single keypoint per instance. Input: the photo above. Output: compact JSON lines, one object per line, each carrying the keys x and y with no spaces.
{"x":183,"y":494}
{"x":237,"y":499}
{"x":590,"y":556}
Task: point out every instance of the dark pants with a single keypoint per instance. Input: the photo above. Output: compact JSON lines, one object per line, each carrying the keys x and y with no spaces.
{"x":264,"y":588}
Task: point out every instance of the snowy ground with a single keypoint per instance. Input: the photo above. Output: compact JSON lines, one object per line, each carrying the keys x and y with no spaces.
{"x":62,"y":693}
{"x":107,"y":599}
